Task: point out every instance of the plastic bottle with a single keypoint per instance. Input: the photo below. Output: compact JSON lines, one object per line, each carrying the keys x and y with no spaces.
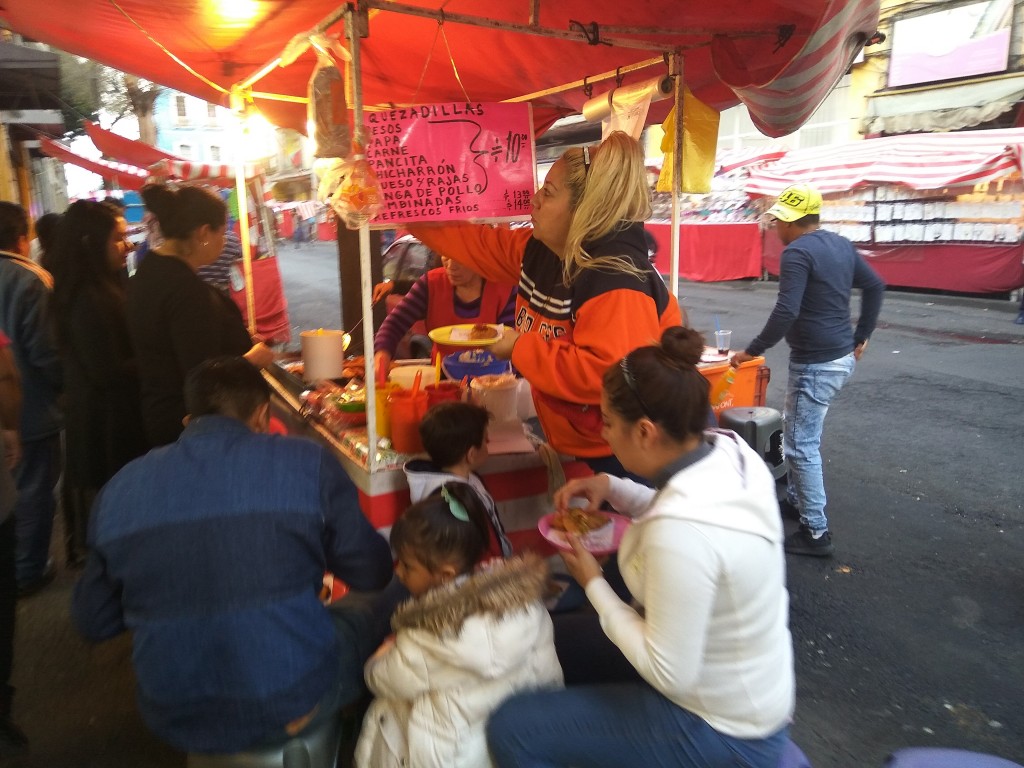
{"x":720,"y":389}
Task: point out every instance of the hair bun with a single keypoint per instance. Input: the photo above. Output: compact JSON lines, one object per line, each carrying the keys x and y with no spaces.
{"x":684,"y":346}
{"x":160,"y":199}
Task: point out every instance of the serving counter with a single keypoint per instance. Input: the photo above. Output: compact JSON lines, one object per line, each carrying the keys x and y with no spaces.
{"x":519,"y":482}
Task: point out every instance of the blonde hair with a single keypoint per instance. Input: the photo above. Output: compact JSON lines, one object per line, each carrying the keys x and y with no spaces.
{"x":612,"y":192}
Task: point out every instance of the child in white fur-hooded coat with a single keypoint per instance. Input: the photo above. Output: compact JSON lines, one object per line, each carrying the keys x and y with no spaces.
{"x":460,"y":649}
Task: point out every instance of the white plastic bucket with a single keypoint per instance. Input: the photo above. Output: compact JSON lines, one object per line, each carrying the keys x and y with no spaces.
{"x":404,"y":375}
{"x":323,"y":354}
{"x":499,"y":394}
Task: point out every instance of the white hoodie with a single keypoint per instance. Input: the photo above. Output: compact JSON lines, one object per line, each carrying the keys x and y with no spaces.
{"x":704,"y":557}
{"x":424,"y":478}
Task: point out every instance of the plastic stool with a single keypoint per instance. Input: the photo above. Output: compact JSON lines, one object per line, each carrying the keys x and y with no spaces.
{"x":761,"y":429}
{"x":793,"y":757}
{"x":931,"y":757}
{"x":317,"y":749}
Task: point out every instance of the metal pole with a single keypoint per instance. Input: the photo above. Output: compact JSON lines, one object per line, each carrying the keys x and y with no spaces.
{"x":238,"y":110}
{"x":528,"y":29}
{"x":677,"y":173}
{"x":366,"y":289}
{"x":660,"y":61}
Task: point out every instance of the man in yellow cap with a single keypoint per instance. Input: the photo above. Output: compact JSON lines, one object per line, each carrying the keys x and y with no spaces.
{"x":817,"y":273}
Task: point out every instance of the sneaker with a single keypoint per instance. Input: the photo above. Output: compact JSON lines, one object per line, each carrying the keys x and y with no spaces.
{"x":801,"y":542}
{"x":1020,"y":318}
{"x":789,"y":510}
{"x":13,"y":742}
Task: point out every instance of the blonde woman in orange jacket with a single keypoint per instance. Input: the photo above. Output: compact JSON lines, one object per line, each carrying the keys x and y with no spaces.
{"x":587,"y":293}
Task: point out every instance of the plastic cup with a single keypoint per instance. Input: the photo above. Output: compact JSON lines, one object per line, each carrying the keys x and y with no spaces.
{"x":722,"y":340}
{"x":384,"y":392}
{"x":407,"y":411}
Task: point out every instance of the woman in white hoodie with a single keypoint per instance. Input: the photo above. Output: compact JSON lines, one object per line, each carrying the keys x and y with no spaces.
{"x":703,"y":558}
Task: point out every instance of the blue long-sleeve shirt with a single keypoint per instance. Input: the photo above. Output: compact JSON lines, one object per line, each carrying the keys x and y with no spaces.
{"x":26,"y":318}
{"x":212,"y":551}
{"x":817,"y":274}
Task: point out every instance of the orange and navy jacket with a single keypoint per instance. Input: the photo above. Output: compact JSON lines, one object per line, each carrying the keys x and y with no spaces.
{"x":571,"y":334}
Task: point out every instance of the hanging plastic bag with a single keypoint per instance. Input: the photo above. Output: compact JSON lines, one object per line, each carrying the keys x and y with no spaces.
{"x":327,"y":111}
{"x":357,"y":198}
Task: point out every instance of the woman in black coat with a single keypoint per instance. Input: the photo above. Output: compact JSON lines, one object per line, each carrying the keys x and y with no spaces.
{"x":103,"y":416}
{"x":176,"y":320}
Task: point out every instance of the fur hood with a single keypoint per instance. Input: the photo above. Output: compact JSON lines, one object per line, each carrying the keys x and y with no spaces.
{"x":497,"y":588}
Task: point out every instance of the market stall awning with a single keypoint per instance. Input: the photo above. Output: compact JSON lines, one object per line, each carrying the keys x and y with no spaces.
{"x":125,"y":176}
{"x":919,"y":161}
{"x":730,"y":160}
{"x":160,"y":163}
{"x":779,"y":57}
{"x":125,"y":150}
{"x":943,"y":107}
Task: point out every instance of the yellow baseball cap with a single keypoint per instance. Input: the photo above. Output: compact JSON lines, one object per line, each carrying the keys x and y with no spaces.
{"x":795,"y":202}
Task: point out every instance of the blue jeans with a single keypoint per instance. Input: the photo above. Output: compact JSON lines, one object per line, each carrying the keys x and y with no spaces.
{"x":354,"y":626}
{"x":36,"y":477}
{"x":810,"y":390}
{"x":616,"y":726}
{"x":8,"y":590}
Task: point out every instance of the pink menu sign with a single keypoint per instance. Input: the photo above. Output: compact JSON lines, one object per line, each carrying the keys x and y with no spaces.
{"x":445,"y":162}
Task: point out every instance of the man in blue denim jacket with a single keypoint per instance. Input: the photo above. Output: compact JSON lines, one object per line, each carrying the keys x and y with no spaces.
{"x":212,"y":552}
{"x":817,"y":274}
{"x":25,"y":317}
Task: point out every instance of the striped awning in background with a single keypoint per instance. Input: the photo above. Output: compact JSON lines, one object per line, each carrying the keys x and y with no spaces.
{"x":918,"y":161}
{"x":220,"y":175}
{"x":732,"y":159}
{"x":782,"y":103}
{"x":125,"y":176}
{"x":123,"y":149}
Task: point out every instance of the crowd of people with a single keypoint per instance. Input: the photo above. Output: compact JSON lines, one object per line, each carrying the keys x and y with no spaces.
{"x":212,"y":550}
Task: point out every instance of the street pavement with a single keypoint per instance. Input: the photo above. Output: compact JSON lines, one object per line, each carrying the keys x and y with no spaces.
{"x":912,"y":635}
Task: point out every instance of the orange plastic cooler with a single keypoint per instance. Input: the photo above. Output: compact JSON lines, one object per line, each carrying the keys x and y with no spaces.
{"x":749,"y":387}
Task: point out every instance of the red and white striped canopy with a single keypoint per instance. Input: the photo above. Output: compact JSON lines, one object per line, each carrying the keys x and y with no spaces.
{"x":126,"y":176}
{"x":779,"y":57}
{"x":217,"y":174}
{"x":131,"y":162}
{"x":729,"y":160}
{"x":918,"y":161}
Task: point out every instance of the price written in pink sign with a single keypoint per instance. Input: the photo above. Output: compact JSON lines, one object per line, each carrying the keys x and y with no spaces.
{"x":445,"y":162}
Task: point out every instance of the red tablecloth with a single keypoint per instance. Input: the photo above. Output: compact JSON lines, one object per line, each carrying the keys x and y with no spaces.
{"x":271,"y":308}
{"x":960,"y":267}
{"x":711,"y":252}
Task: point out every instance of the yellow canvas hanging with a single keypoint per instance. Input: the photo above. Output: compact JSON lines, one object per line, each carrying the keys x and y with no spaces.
{"x":700,"y":139}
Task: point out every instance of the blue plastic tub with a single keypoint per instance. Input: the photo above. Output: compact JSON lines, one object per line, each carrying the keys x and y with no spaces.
{"x":479,"y":363}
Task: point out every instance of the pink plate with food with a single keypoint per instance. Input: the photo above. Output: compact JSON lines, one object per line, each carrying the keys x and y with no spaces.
{"x":598,"y":539}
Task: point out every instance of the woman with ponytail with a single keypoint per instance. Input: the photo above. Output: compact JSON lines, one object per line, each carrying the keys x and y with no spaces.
{"x":587,"y":291}
{"x":710,"y":650}
{"x":177,"y":321}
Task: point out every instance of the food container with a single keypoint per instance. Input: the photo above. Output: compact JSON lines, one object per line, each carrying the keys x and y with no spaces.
{"x":404,"y":375}
{"x":498,"y":394}
{"x":323,"y":354}
{"x":384,"y":392}
{"x":407,"y":411}
{"x":443,"y":391}
{"x":472,"y":363}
